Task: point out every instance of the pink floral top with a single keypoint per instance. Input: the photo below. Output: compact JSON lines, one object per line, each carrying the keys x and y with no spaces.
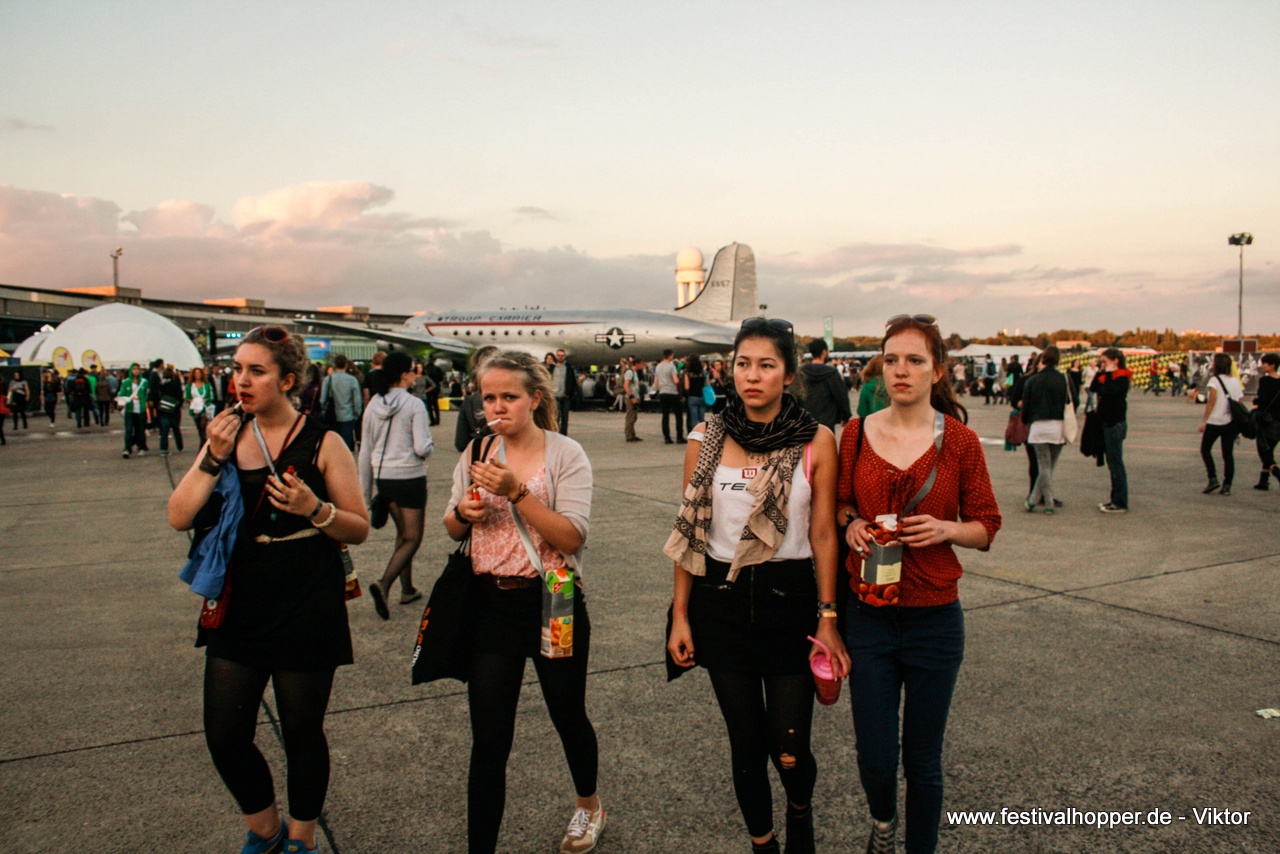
{"x":495,"y":543}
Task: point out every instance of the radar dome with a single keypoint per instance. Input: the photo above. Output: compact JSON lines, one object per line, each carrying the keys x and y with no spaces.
{"x":689,"y":258}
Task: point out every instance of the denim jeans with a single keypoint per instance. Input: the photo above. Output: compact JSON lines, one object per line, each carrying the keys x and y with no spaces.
{"x":1046,"y":459}
{"x":697,"y":410}
{"x":169,"y":421}
{"x":671,"y":406}
{"x":916,"y":651}
{"x":562,"y":411}
{"x":1113,"y":446}
{"x":347,"y":430}
{"x":135,"y":430}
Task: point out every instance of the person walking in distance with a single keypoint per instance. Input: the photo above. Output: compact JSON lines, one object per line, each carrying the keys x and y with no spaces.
{"x":665,"y":378}
{"x":392,"y":463}
{"x":1216,"y":424}
{"x":631,"y":394}
{"x":1268,"y":403}
{"x":1110,"y":388}
{"x":825,"y":394}
{"x":344,"y":390}
{"x":564,"y":380}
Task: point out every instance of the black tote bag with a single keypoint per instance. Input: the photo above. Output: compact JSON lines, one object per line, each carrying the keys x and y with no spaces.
{"x":443,"y":648}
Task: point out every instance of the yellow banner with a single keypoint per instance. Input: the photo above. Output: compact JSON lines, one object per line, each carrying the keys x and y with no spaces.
{"x":90,"y":360}
{"x":62,"y":361}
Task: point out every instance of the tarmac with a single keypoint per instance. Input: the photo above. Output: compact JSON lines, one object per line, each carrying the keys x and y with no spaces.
{"x":1113,"y":663}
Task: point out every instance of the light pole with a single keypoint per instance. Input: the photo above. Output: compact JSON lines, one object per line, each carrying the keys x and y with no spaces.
{"x":1242,"y":240}
{"x":115,"y":266}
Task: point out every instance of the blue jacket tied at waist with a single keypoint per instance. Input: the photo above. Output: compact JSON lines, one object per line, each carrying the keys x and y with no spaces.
{"x":207,"y":567}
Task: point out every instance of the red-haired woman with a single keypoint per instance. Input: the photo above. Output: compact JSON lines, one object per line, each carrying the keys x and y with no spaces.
{"x":915,"y":460}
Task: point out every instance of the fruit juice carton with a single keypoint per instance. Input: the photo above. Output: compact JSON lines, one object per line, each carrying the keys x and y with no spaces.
{"x":557,"y":613}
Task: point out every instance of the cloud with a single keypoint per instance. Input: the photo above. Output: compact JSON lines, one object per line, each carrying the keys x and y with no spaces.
{"x":327,"y":243}
{"x":18,"y":125}
{"x":533,"y":214}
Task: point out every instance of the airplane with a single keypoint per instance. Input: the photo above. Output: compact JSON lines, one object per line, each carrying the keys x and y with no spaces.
{"x":591,"y":336}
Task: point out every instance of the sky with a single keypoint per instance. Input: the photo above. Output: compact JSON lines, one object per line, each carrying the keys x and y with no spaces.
{"x":1002,"y":165}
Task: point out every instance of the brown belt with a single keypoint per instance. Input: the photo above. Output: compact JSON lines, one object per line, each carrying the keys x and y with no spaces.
{"x":509,"y":582}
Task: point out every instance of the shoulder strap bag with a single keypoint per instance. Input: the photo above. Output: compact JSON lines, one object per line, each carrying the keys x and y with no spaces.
{"x":1240,"y":417}
{"x":558,"y":590}
{"x":443,"y":647}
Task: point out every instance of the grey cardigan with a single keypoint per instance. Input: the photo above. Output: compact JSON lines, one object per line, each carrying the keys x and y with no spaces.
{"x":569,"y":484}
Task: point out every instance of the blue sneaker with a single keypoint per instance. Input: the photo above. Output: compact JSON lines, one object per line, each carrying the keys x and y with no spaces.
{"x":296,"y":846}
{"x":255,"y":844}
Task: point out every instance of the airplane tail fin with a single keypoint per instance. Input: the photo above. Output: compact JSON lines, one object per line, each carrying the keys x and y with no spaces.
{"x":730,"y":292}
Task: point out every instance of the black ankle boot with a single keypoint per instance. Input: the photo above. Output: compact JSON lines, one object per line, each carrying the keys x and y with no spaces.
{"x":1264,"y":483}
{"x":800,"y":830}
{"x":770,"y":847}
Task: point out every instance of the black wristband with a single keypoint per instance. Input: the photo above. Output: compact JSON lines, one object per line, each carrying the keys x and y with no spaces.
{"x":316,"y":512}
{"x":209,"y":464}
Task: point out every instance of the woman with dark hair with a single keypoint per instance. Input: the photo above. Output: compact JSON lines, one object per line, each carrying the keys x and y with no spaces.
{"x":170,"y":409}
{"x":1044,"y":400}
{"x":393,"y":456}
{"x":471,"y":419}
{"x":1268,"y":402}
{"x":755,"y":550}
{"x":914,"y":476}
{"x":1216,"y":423}
{"x":694,"y":379}
{"x":285,"y":616}
{"x":309,"y":399}
{"x":1110,"y":388}
{"x":531,"y":476}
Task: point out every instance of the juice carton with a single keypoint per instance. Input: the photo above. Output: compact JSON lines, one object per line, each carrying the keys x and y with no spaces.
{"x":557,"y":613}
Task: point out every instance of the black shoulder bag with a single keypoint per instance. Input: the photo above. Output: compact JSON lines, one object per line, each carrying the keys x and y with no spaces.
{"x":1240,"y":417}
{"x":443,"y":648}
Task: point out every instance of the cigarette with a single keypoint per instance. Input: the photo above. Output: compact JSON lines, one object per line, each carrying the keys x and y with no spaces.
{"x":494,"y":421}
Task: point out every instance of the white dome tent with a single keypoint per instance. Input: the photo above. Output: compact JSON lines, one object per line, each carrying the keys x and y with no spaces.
{"x":120,"y":334}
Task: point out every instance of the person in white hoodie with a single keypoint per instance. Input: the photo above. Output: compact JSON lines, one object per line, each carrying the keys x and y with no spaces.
{"x":397,"y":442}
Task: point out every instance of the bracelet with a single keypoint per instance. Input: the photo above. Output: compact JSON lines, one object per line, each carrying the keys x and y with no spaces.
{"x":826,"y":606}
{"x":520,"y":495}
{"x":850,"y":516}
{"x":829,"y":615}
{"x":316,"y":511}
{"x":209,"y":464}
{"x":457,"y":515}
{"x":333,"y":514}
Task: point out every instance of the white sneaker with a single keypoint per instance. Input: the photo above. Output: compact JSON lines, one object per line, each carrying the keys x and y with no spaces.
{"x":584,"y":829}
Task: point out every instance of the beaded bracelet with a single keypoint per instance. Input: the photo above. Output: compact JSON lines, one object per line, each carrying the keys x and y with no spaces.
{"x":333,"y":514}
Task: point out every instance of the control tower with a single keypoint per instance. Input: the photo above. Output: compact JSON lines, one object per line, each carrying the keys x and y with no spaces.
{"x":690,"y":275}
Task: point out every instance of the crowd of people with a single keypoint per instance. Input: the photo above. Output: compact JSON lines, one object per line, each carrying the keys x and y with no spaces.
{"x":790,"y":547}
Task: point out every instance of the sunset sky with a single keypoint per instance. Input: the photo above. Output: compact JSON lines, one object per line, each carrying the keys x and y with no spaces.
{"x":999,"y":164}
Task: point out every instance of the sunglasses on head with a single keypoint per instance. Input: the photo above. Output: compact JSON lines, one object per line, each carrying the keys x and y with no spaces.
{"x":772,"y":322}
{"x":274,"y":334}
{"x":927,"y":319}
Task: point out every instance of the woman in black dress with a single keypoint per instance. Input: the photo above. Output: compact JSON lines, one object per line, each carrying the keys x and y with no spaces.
{"x":285,"y":617}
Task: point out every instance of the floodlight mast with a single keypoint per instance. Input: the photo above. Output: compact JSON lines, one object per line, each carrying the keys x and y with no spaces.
{"x":115,"y":266}
{"x":1242,"y":240}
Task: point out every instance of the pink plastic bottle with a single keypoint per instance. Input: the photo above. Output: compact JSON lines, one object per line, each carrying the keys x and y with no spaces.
{"x":824,"y":677}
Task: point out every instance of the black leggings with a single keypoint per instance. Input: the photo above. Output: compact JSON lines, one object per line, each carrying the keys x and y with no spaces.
{"x":232,"y":693}
{"x":769,"y":718}
{"x":1212,"y":433}
{"x":493,"y":692}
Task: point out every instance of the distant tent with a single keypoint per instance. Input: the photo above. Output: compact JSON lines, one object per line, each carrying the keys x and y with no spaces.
{"x":120,"y":334}
{"x":996,"y":351}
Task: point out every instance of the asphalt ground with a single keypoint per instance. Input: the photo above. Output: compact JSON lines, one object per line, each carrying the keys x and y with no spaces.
{"x":1113,"y":663}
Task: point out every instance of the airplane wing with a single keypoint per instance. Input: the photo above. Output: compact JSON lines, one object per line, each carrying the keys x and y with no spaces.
{"x":709,"y":339}
{"x":395,"y":336}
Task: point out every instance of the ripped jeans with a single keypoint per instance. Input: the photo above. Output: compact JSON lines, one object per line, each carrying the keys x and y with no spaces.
{"x":750,"y":634}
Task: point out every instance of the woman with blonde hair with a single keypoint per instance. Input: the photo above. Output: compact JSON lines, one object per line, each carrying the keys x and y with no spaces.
{"x":530,"y":476}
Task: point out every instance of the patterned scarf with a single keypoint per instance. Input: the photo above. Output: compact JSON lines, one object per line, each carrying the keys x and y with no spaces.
{"x":784,"y":440}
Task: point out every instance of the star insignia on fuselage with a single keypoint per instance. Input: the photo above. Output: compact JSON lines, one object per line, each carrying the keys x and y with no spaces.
{"x":615,"y":338}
